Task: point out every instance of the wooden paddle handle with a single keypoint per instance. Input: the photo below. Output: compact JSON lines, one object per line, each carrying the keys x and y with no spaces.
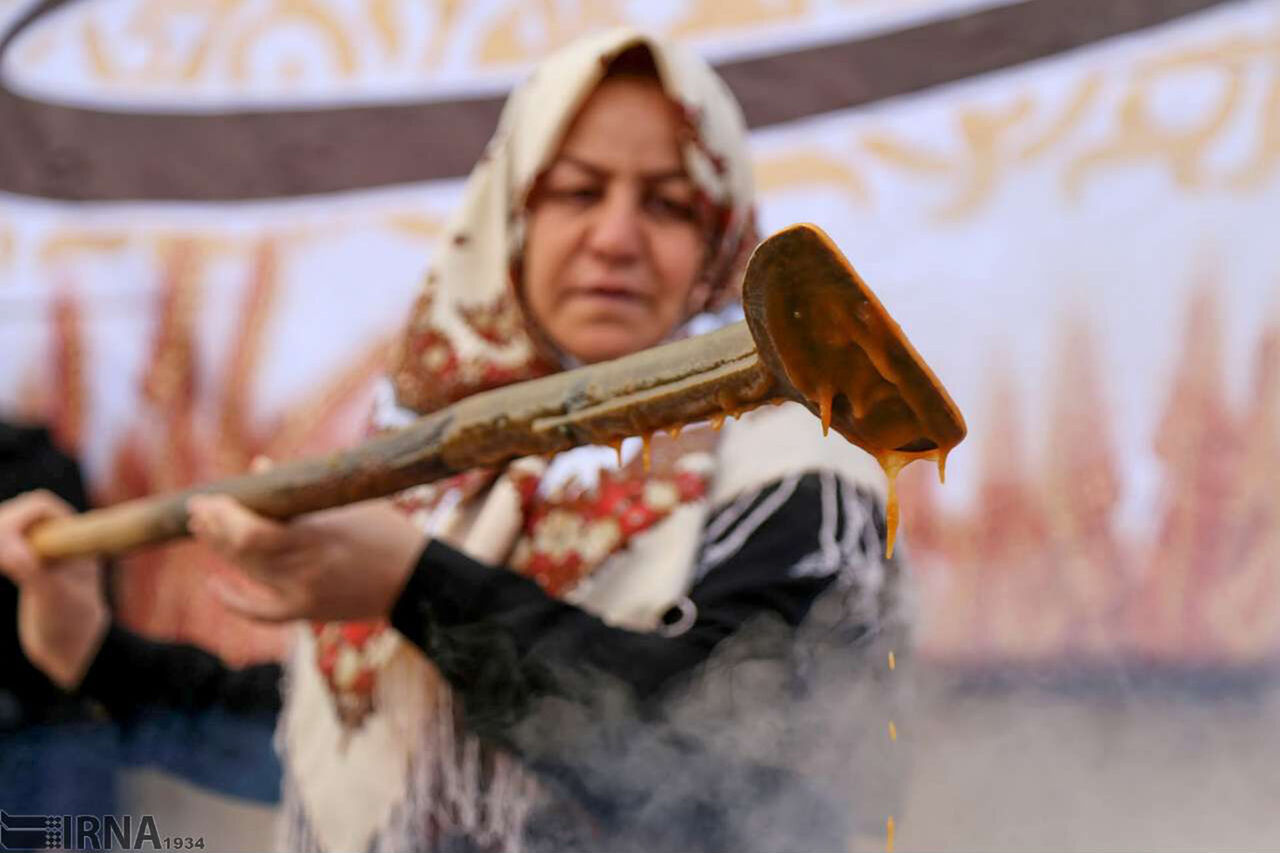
{"x":109,"y":531}
{"x":379,"y":467}
{"x":656,"y":389}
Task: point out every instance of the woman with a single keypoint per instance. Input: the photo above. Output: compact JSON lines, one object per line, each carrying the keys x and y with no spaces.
{"x":572,"y":638}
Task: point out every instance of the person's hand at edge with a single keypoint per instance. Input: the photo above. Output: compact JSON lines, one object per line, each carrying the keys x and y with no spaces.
{"x":62,"y":609}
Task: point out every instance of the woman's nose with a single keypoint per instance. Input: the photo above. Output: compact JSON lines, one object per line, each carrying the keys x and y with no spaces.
{"x":616,"y":231}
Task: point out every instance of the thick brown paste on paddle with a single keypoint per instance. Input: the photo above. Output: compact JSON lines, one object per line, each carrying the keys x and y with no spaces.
{"x":853,"y":363}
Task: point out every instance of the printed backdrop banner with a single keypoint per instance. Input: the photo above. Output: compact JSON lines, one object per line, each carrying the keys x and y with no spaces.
{"x":214,"y":214}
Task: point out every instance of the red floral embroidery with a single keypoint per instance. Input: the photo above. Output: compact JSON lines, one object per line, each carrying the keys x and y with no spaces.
{"x":566,"y":538}
{"x":349,"y":655}
{"x":499,"y":323}
{"x":429,"y":372}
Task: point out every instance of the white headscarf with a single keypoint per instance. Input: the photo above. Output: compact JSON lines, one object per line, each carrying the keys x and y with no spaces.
{"x":467,"y":332}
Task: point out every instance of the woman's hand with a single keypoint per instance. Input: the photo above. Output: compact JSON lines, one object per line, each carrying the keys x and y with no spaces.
{"x":62,"y":611}
{"x":347,"y":563}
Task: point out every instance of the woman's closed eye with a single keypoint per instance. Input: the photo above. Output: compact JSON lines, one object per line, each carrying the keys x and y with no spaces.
{"x":670,"y":206}
{"x":579,"y":194}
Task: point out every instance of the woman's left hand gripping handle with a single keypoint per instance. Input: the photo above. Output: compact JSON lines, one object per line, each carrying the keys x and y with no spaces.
{"x":345,"y":563}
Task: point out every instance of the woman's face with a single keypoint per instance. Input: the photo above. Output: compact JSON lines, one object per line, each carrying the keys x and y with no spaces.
{"x":615,"y":249}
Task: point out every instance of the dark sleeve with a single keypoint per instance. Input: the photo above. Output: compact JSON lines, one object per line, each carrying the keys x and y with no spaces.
{"x":131,"y":674}
{"x":502,"y":641}
{"x":30,"y":460}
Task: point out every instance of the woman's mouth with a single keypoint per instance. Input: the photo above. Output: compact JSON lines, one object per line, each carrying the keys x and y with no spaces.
{"x":608,"y":295}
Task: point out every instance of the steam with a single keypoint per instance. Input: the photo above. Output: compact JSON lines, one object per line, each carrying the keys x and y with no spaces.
{"x":779,"y":743}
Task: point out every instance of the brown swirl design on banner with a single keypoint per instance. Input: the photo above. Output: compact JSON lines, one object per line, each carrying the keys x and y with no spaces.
{"x":63,"y":152}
